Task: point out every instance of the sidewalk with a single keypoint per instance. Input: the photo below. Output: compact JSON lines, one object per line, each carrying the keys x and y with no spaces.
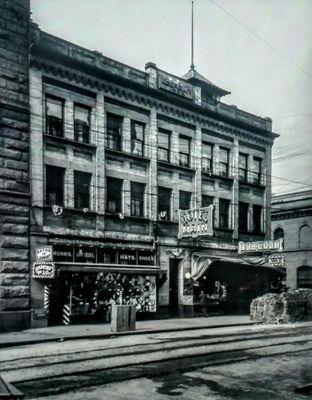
{"x":72,"y":332}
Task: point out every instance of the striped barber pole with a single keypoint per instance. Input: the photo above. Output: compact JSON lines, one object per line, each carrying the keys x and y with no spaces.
{"x":66,"y":314}
{"x":46,"y":298}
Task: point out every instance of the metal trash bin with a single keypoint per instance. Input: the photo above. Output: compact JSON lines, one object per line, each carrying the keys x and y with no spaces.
{"x":123,"y":318}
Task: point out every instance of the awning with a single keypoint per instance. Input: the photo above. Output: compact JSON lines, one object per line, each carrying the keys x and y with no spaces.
{"x":120,"y":268}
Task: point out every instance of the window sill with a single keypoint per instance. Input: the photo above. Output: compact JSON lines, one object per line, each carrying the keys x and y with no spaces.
{"x":116,"y":215}
{"x":251,"y":184}
{"x":72,"y":210}
{"x":175,"y":166}
{"x":70,"y":141}
{"x":125,"y":154}
{"x":224,"y":229}
{"x":224,"y":177}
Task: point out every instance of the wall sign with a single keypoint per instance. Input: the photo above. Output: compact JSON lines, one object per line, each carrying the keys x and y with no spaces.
{"x":277,"y":260}
{"x":44,"y":253}
{"x":43,"y":270}
{"x":196,"y":222}
{"x":264,"y":246}
{"x":174,"y":85}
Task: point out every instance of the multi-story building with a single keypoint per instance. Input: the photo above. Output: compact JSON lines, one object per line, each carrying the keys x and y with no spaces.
{"x":292,"y":221}
{"x":115,"y":152}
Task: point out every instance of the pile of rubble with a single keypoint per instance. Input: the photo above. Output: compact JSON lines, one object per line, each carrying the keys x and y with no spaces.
{"x":271,"y":308}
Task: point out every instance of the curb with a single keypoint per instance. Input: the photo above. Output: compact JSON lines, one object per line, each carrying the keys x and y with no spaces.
{"x":110,"y":335}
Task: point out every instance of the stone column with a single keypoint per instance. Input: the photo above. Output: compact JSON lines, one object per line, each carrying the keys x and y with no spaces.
{"x":69,"y":119}
{"x":174,"y":150}
{"x":235,"y":189}
{"x":98,"y":134}
{"x":216,"y":160}
{"x":126,"y":135}
{"x":126,"y":197}
{"x":196,"y":158}
{"x":152,"y":181}
{"x":267,"y":181}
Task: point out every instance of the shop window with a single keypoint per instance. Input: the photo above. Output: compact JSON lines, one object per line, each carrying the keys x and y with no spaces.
{"x":243,"y":167}
{"x":114,"y":195}
{"x":82,"y":189}
{"x":128,"y":257}
{"x":224,"y":155}
{"x":164,"y":203}
{"x":278,"y":234}
{"x":54,"y":116}
{"x":224,"y":206}
{"x":114,"y":131}
{"x":184,"y":151}
{"x":257,"y":214}
{"x":257,"y":170}
{"x":82,"y":124}
{"x":305,"y":237}
{"x":163,"y":146}
{"x":184,"y":200}
{"x":54,"y":185}
{"x":63,"y":253}
{"x":146,"y":258}
{"x":207,"y":157}
{"x":243,"y":217}
{"x":85,"y":255}
{"x":137,"y":199}
{"x":207,"y":201}
{"x":304,"y":277}
{"x":137,"y":138}
{"x":107,"y":256}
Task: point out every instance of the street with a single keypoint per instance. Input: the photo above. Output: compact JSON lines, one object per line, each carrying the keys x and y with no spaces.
{"x":254,"y":362}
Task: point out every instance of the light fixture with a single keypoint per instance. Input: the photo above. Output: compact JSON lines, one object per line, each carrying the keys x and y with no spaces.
{"x":187,"y":275}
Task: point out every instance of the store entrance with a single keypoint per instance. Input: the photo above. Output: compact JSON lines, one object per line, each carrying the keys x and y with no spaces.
{"x":59,"y":295}
{"x":173,"y":287}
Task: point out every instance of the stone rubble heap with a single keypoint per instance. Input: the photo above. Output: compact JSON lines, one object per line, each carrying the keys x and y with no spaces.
{"x":272,"y":308}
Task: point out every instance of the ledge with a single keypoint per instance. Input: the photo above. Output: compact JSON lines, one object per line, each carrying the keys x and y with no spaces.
{"x":175,"y":166}
{"x":251,"y":184}
{"x":126,"y":154}
{"x":70,"y":141}
{"x":73,"y":210}
{"x":116,"y":215}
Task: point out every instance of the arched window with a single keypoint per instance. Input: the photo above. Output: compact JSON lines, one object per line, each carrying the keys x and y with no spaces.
{"x":305,"y":237}
{"x":278,"y":234}
{"x":304,"y":277}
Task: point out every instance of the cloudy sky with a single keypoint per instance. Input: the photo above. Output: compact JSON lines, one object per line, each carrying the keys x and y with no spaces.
{"x":260,"y":50}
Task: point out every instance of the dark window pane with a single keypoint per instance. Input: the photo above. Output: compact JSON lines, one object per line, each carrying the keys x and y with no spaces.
{"x":184,"y":150}
{"x":185,"y":200}
{"x":304,"y":277}
{"x":82,"y":124}
{"x":114,"y":195}
{"x":207,"y":200}
{"x":224,"y":161}
{"x":207,"y":154}
{"x":54,"y":116}
{"x":257,"y":211}
{"x":224,"y":213}
{"x":137,"y":199}
{"x":257,"y":170}
{"x":243,"y":166}
{"x":54,"y":185}
{"x":164,"y":146}
{"x":243,"y":217}
{"x":164,"y":203}
{"x":82,"y":189}
{"x":137,"y":138}
{"x":113,"y":132}
{"x":278,"y":234}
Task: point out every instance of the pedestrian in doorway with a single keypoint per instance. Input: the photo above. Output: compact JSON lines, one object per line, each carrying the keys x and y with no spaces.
{"x":203,"y":301}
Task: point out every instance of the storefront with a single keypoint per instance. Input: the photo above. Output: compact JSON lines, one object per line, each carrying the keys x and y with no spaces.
{"x":91,"y":276}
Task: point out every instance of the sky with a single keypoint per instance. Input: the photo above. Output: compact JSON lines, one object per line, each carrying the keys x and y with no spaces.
{"x":259,"y":50}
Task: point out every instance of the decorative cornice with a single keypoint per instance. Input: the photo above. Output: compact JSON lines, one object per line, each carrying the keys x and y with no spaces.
{"x":194,"y":116}
{"x":280,"y":215}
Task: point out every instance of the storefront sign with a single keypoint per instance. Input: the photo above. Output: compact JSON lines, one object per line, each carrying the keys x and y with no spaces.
{"x":277,"y":260}
{"x":44,"y":253}
{"x":146,"y":258}
{"x":43,"y":270}
{"x":127,"y":257}
{"x":174,"y":85}
{"x":196,"y":222}
{"x":217,"y":245}
{"x":268,"y":245}
{"x":128,"y":236}
{"x":85,"y":254}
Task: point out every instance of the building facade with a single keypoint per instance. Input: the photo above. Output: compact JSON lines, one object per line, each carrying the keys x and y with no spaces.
{"x":292,"y":221}
{"x":115,"y":153}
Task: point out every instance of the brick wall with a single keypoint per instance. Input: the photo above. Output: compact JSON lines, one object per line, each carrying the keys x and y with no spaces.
{"x":14,"y":176}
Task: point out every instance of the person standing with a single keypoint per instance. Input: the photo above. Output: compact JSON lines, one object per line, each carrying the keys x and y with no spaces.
{"x":203,"y":301}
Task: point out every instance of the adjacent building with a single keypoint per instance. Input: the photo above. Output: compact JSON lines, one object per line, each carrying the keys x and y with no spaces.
{"x":292,"y":221}
{"x":114,"y":154}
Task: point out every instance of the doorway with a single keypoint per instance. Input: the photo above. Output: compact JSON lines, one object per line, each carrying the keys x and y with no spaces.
{"x":173,"y":287}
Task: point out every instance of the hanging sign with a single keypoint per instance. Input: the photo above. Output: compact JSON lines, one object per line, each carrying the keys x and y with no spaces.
{"x":196,"y":222}
{"x":277,"y":260}
{"x":44,"y":253}
{"x":43,"y":267}
{"x":264,"y":246}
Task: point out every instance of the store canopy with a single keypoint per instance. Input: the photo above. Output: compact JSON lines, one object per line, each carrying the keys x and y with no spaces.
{"x":119,"y":268}
{"x":201,"y":262}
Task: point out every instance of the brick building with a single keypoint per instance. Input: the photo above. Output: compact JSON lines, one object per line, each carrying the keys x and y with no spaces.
{"x":292,"y":221}
{"x":115,"y":152}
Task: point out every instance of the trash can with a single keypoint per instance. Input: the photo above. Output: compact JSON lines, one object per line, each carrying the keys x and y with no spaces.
{"x":123,"y":318}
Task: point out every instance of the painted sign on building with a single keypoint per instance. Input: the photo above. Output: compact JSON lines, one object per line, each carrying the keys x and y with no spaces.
{"x":277,"y":260}
{"x":44,"y":253}
{"x":263,"y":246}
{"x":174,"y":85}
{"x":43,"y":267}
{"x":196,"y":222}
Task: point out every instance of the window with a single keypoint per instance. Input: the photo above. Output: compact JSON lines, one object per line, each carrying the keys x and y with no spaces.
{"x":243,"y":217}
{"x":54,"y":185}
{"x":207,"y":156}
{"x":224,"y":161}
{"x":137,"y":199}
{"x":278,"y":234}
{"x":82,"y":124}
{"x":207,"y":200}
{"x":164,"y":203}
{"x":164,"y":146}
{"x":304,"y":277}
{"x":257,"y":170}
{"x":114,"y":195}
{"x":113,"y":131}
{"x":82,"y":189}
{"x":224,"y":206}
{"x":137,"y":138}
{"x":257,"y":212}
{"x":184,"y":151}
{"x":54,"y":116}
{"x":305,"y":237}
{"x":184,"y":200}
{"x":243,"y":167}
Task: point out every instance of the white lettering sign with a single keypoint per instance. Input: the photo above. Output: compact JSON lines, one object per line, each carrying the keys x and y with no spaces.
{"x":196,"y":222}
{"x":265,"y":246}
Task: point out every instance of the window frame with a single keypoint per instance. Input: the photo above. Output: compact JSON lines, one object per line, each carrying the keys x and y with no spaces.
{"x":165,"y":207}
{"x":113,"y":141}
{"x":226,"y":215}
{"x":135,"y":139}
{"x":189,"y":199}
{"x":257,"y":175}
{"x":111,"y":197}
{"x":85,"y":135}
{"x":137,"y":202}
{"x":162,"y":148}
{"x":59,"y":172}
{"x":257,"y":226}
{"x":80,"y":196}
{"x":183,"y":154}
{"x":209,"y":166}
{"x":243,"y":172}
{"x":243,"y":224}
{"x":227,"y":163}
{"x":47,"y":116}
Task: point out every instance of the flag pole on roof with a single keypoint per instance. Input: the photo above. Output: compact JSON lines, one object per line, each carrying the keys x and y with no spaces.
{"x":192,"y":37}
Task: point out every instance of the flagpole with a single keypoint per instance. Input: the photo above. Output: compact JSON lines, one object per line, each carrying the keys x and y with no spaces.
{"x":192,"y":37}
